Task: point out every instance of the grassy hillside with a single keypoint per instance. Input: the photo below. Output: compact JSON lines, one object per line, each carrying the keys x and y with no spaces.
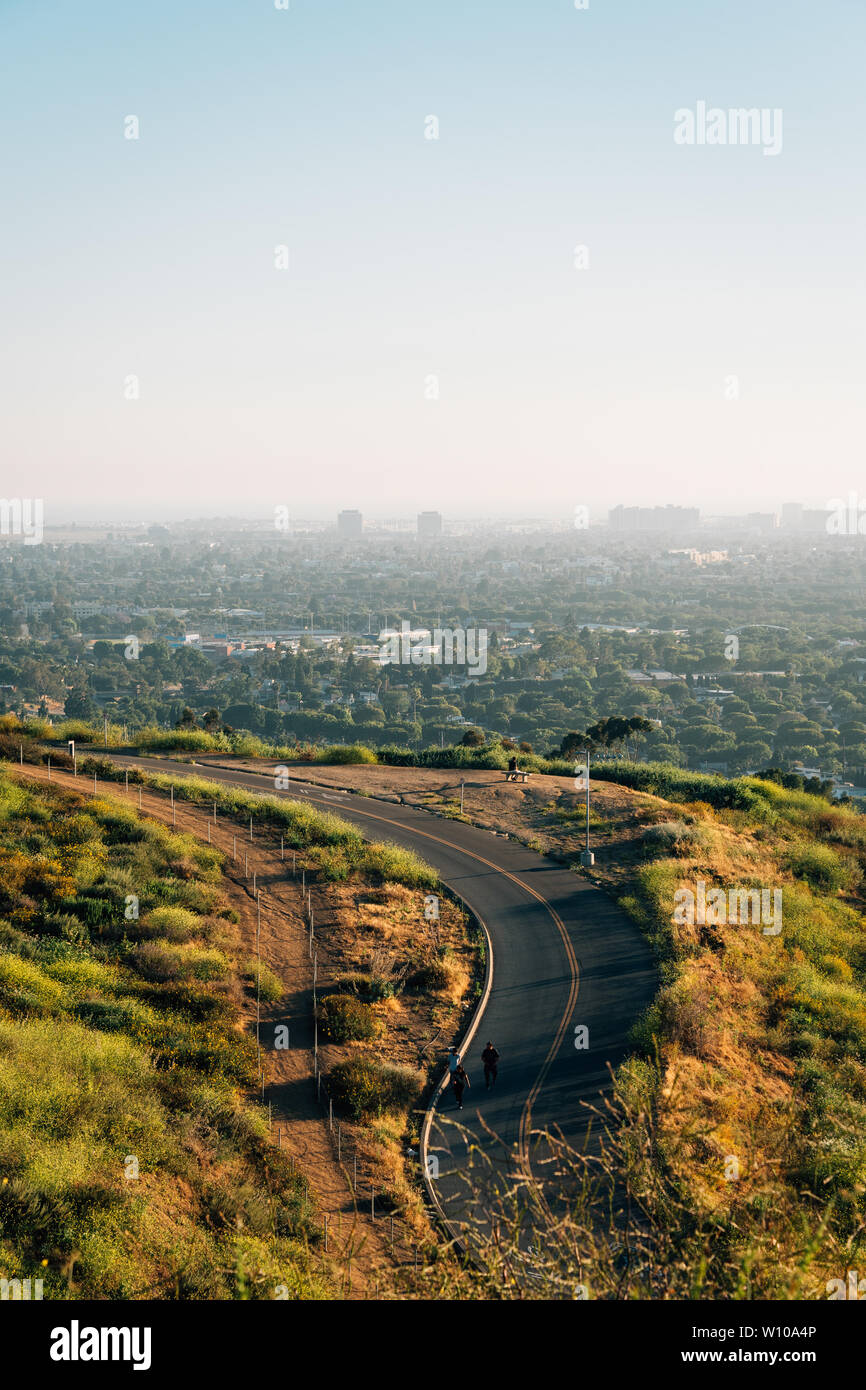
{"x":736,"y":1139}
{"x":759,"y":1090}
{"x":131,"y":1164}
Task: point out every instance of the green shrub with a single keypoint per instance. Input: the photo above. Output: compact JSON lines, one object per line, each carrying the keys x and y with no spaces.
{"x":369,"y":987}
{"x":346,"y":1018}
{"x":354,"y":753}
{"x":674,"y":837}
{"x":819,"y":865}
{"x":366,"y":1087}
{"x":260,"y":976}
{"x":169,"y":924}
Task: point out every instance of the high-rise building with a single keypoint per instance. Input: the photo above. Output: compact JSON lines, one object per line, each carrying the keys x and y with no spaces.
{"x":792,"y":516}
{"x":429,"y":525}
{"x":350,"y":525}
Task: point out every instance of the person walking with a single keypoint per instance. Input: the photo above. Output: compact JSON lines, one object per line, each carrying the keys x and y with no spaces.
{"x":454,"y":1060}
{"x":460,"y":1081}
{"x":490,"y":1058}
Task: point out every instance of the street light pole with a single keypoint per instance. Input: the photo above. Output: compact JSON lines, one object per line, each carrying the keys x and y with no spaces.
{"x":587,"y":858}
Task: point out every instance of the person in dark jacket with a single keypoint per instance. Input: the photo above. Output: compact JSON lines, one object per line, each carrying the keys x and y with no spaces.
{"x":459,"y":1080}
{"x":490,"y":1058}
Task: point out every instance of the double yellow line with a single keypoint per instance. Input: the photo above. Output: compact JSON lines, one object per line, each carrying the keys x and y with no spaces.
{"x":525,"y":1127}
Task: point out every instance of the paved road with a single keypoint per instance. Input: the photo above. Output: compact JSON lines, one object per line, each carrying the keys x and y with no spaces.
{"x":564,"y":956}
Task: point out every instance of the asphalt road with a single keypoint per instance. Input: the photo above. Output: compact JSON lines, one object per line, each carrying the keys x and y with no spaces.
{"x":564,"y":958}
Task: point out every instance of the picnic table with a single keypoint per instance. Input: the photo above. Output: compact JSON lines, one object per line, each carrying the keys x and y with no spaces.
{"x":515,"y":775}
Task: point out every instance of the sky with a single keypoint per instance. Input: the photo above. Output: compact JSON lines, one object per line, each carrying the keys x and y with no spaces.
{"x":436,"y":341}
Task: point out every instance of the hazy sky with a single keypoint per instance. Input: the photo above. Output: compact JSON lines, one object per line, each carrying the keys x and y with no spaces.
{"x":412,"y":258}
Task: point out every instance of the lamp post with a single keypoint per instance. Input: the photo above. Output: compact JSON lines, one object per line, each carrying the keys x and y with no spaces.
{"x":581,"y":782}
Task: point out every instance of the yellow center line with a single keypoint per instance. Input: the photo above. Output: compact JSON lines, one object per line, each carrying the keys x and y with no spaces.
{"x":525,"y":1127}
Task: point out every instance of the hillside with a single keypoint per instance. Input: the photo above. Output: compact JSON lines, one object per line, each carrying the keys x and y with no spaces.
{"x":745,"y":1107}
{"x":137,"y":1158}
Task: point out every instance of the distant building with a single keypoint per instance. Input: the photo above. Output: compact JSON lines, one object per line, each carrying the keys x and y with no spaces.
{"x":429,"y":525}
{"x":796,"y":517}
{"x":350,"y":525}
{"x":762,"y":521}
{"x":700,"y":557}
{"x":667,"y":518}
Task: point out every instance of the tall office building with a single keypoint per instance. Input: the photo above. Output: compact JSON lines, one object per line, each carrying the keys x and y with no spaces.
{"x":429,"y":525}
{"x":350,"y":525}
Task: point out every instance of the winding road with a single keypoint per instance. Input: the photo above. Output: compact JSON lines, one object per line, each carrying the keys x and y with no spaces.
{"x":564,"y":958}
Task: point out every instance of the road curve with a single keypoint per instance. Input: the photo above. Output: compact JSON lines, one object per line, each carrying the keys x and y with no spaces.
{"x":564,"y":956}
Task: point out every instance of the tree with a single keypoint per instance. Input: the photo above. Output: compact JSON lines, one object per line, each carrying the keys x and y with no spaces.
{"x":574,"y":743}
{"x":473,"y":738}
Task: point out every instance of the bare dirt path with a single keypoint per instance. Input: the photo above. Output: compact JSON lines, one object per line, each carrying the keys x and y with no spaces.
{"x":359,"y":1247}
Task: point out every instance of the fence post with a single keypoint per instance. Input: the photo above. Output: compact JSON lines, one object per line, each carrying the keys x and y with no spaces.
{"x":49,"y":769}
{"x":139,"y":798}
